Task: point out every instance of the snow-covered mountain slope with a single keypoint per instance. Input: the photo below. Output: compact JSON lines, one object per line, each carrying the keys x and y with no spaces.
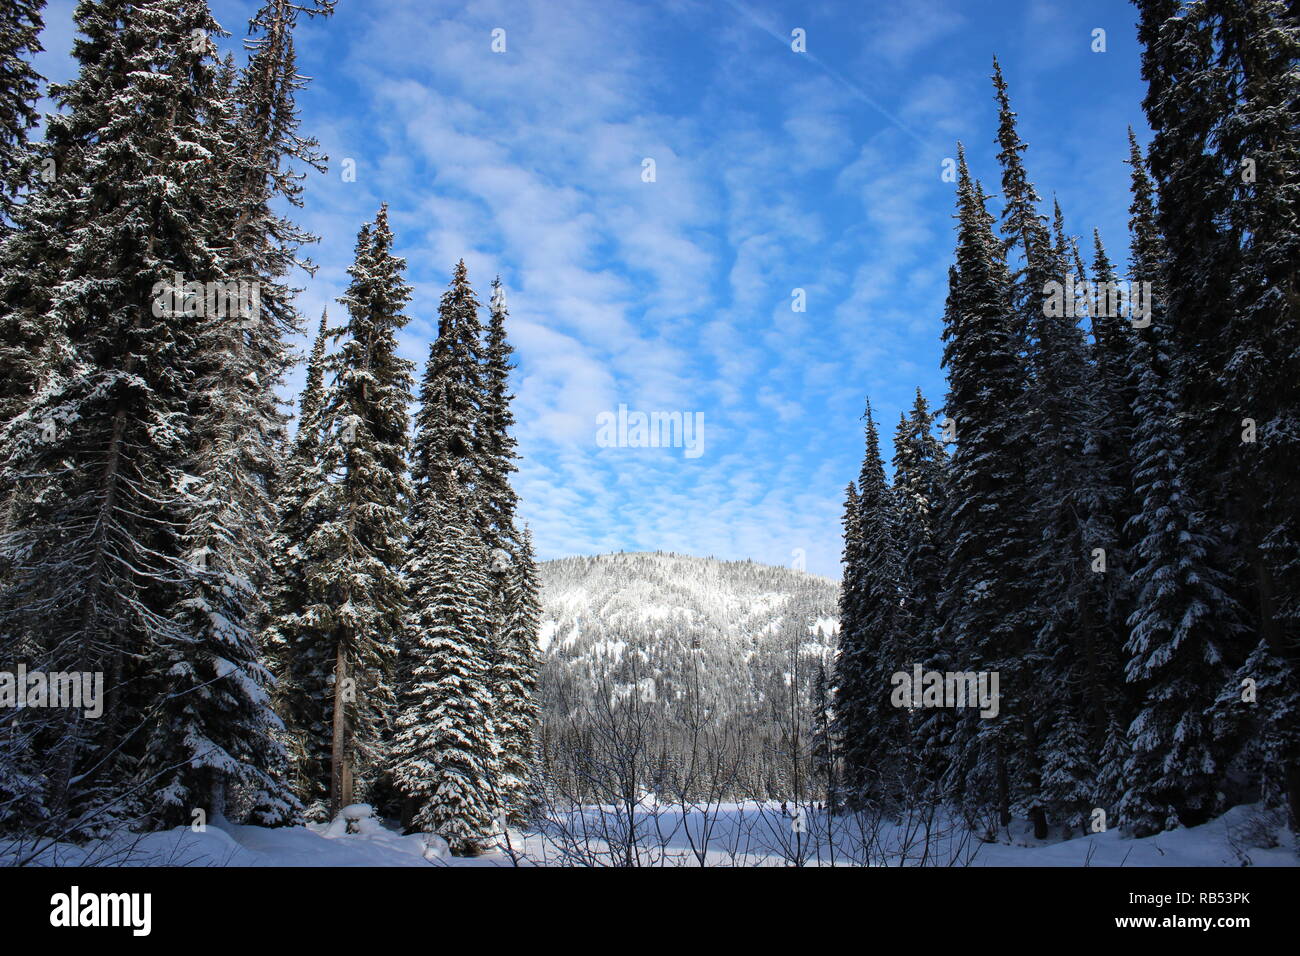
{"x":648,"y":651}
{"x":741,"y":627}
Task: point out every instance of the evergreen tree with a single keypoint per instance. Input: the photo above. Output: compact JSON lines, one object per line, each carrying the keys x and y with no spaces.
{"x":21,"y":23}
{"x":1110,"y":766}
{"x":920,"y":465}
{"x":920,"y":462}
{"x":1056,"y":410}
{"x":1182,"y":619}
{"x":446,"y":751}
{"x":1184,"y":615}
{"x":514,"y":606}
{"x":495,"y":421}
{"x":514,"y":683}
{"x":1069,"y":784}
{"x":451,"y":397}
{"x":35,"y":250}
{"x":1263,"y":360}
{"x":219,"y":728}
{"x":851,"y":693}
{"x":984,"y":596}
{"x":301,"y":661}
{"x":461,"y":462}
{"x":96,"y":559}
{"x":871,"y":730}
{"x":1110,"y":443}
{"x":355,"y":554}
{"x":215,"y":725}
{"x":1112,"y":425}
{"x":1193,"y":63}
{"x":822,"y":753}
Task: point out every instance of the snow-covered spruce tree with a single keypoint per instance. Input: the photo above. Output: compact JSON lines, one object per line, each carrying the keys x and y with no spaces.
{"x":1197,"y":71}
{"x":822,"y":757}
{"x":220,"y":728}
{"x":448,"y":422}
{"x":20,"y":27}
{"x":445,"y":753}
{"x":514,"y":605}
{"x":1113,"y":759}
{"x":1056,"y":411}
{"x":96,"y":558}
{"x":850,"y":690}
{"x":871,"y":731}
{"x":21,"y":23}
{"x":265,"y":245}
{"x":33,"y":251}
{"x":448,"y":486}
{"x":920,"y":462}
{"x":451,"y":401}
{"x":1222,"y":103}
{"x":514,"y":674}
{"x":983,"y":525}
{"x":497,"y":445}
{"x":1184,"y":615}
{"x":920,"y":465}
{"x":354,"y":555}
{"x":31,"y":263}
{"x":1086,"y":668}
{"x":1263,"y":363}
{"x":301,"y":662}
{"x":1082,"y":665}
{"x":1188,"y":97}
{"x":1111,"y":431}
{"x":214,"y":727}
{"x":1069,"y":778}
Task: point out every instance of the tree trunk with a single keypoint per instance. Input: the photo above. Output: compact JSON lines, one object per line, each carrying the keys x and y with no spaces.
{"x":340,"y":753}
{"x":217,"y":796}
{"x":1033,"y":769}
{"x":1004,"y":789}
{"x":1293,"y":791}
{"x":1275,"y":639}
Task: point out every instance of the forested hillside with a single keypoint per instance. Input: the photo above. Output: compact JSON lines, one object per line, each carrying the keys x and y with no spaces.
{"x":678,"y":651}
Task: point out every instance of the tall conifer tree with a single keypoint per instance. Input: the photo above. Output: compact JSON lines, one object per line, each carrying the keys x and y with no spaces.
{"x":1184,"y":615}
{"x":96,"y":560}
{"x":300,"y":659}
{"x":21,"y":22}
{"x":514,"y":683}
{"x":1056,"y":409}
{"x":356,"y":553}
{"x":985,"y":595}
{"x":871,"y":730}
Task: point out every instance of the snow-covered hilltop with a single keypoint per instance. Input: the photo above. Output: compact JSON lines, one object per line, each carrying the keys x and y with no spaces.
{"x":679,"y":593}
{"x":683,"y":638}
{"x":652,"y":613}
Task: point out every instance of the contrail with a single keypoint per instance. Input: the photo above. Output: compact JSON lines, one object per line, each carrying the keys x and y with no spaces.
{"x":833,"y":73}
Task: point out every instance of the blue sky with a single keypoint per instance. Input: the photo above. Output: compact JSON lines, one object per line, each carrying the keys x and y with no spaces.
{"x":775,"y":170}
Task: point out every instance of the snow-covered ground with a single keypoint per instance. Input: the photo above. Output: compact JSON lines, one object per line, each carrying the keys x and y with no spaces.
{"x":730,"y":834}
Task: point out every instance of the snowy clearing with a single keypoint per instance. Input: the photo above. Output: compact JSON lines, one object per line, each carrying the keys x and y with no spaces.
{"x":747,"y":834}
